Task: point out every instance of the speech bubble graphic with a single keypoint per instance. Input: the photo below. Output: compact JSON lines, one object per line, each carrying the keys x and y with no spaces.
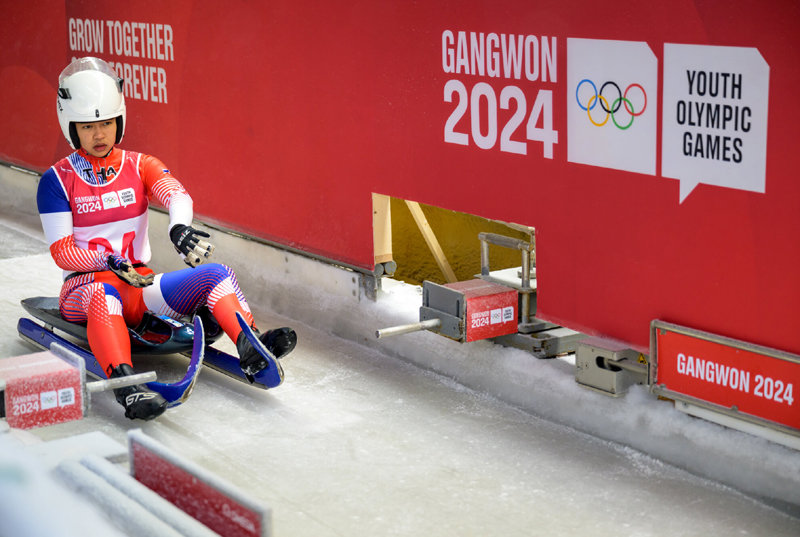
{"x":127,"y":196}
{"x":612,"y":91}
{"x":714,"y":117}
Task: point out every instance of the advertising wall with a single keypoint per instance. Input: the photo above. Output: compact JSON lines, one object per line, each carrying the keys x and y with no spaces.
{"x":652,"y":146}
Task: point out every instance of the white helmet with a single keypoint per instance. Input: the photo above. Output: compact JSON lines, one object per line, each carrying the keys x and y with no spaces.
{"x":89,"y":90}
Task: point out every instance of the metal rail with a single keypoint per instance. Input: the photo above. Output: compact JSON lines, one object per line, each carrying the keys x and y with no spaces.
{"x":430,"y":324}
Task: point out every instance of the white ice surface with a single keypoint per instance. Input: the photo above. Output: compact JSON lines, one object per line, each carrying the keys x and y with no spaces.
{"x":358,"y":442}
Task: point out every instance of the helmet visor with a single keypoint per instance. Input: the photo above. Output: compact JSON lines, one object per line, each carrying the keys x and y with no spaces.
{"x":87,"y":64}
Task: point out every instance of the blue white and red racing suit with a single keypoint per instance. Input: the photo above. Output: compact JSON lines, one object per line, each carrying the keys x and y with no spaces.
{"x":91,"y":207}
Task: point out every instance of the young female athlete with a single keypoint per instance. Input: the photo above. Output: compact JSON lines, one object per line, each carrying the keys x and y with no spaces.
{"x":93,"y":205}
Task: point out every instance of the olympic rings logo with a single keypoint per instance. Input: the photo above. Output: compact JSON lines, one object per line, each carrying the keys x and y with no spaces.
{"x":613,"y":109}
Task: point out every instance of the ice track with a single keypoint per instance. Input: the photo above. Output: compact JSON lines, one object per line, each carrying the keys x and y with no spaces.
{"x":359,"y":443}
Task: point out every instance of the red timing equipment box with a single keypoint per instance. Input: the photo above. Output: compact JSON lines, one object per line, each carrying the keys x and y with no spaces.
{"x":471,"y":310}
{"x":39,"y":389}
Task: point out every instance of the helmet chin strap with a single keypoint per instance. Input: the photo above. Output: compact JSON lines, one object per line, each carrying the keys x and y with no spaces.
{"x":73,"y":134}
{"x":120,"y":127}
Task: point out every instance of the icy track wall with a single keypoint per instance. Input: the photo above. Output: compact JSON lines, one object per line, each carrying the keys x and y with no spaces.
{"x":652,"y":149}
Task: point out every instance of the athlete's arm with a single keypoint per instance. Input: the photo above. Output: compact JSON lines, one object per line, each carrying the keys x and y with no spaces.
{"x":56,"y":216}
{"x":189,"y":242}
{"x":168,"y":191}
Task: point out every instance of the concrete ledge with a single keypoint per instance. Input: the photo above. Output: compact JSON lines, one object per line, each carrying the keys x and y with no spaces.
{"x":130,"y":517}
{"x":52,"y":453}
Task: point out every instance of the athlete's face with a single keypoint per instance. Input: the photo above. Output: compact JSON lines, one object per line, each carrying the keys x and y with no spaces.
{"x":97,"y":137}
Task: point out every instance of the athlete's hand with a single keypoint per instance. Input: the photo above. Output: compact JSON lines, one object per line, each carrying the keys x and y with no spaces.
{"x":125,"y":272}
{"x":189,"y":243}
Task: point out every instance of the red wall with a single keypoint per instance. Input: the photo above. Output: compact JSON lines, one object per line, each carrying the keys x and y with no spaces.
{"x":282,"y":118}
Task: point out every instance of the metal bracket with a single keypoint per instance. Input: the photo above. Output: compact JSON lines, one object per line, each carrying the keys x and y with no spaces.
{"x":609,"y":366}
{"x":525,"y":289}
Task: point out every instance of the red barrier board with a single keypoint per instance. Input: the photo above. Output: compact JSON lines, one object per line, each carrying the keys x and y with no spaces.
{"x":602,"y":129}
{"x":39,"y":389}
{"x":205,"y":497}
{"x":733,"y":375}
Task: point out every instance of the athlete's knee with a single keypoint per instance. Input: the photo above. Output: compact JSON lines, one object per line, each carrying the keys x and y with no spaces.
{"x":111,"y":291}
{"x":214,"y":273}
{"x":217,"y":267}
{"x":91,"y":290}
{"x":79,"y":303}
{"x":229,"y":271}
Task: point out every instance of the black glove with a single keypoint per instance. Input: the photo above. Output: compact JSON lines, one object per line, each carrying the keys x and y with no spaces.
{"x":189,"y":244}
{"x":125,"y":272}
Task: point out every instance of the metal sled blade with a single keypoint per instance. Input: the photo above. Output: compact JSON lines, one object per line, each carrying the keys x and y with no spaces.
{"x":178,"y":392}
{"x":174,"y":393}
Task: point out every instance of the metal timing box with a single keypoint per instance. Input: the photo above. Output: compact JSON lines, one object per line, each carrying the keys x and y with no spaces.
{"x":39,"y":389}
{"x":470,"y":310}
